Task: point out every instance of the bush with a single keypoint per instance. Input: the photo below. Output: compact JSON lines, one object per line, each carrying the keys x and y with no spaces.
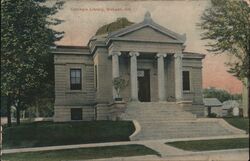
{"x":212,"y":115}
{"x":220,"y":94}
{"x":119,"y":84}
{"x":51,"y":134}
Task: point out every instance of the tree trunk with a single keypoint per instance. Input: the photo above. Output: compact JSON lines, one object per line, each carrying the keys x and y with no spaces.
{"x":8,"y":111}
{"x":18,"y":114}
{"x":245,"y":97}
{"x":248,"y":88}
{"x":37,"y":110}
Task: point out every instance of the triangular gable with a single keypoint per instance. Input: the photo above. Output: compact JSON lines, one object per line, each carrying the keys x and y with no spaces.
{"x":148,"y":33}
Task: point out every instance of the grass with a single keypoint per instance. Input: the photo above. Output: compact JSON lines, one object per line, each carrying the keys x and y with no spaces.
{"x":217,"y":144}
{"x":239,"y":122}
{"x":82,"y":153}
{"x":39,"y":134}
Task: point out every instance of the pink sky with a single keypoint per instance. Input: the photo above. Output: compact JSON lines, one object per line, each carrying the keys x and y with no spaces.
{"x":83,"y":18}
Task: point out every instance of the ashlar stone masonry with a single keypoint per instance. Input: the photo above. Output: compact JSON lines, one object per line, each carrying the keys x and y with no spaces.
{"x":150,"y":57}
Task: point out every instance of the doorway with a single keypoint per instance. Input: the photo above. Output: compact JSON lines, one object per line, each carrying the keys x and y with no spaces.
{"x":143,"y":85}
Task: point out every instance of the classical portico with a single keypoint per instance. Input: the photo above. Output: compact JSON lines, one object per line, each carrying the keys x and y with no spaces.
{"x":160,"y":59}
{"x":162,"y":47}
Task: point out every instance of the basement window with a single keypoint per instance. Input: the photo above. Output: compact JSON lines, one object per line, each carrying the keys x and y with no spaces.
{"x":76,"y":113}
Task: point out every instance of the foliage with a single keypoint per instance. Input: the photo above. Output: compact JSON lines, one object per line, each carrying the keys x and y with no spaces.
{"x":227,"y":25}
{"x":119,"y":83}
{"x":3,"y":109}
{"x":51,"y":134}
{"x":26,"y":61}
{"x":221,"y":95}
{"x":45,"y":107}
{"x":212,"y":115}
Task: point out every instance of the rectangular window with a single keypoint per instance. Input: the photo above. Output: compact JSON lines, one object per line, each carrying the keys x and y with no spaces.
{"x":186,"y":80}
{"x":76,"y":113}
{"x":75,"y":79}
{"x":95,"y":76}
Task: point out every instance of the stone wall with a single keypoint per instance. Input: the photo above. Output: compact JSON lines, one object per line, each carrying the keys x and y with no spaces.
{"x":104,"y":76}
{"x":65,"y":99}
{"x":62,"y":113}
{"x":94,"y":100}
{"x":198,"y":110}
{"x":194,"y":66}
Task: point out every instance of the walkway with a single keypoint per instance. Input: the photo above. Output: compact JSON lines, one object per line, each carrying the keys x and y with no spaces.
{"x":157,"y":145}
{"x":220,"y":155}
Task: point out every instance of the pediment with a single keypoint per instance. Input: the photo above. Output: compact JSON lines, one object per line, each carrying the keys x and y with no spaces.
{"x":149,"y":34}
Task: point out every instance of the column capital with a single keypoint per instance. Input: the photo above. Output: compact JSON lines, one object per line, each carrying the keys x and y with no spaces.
{"x":134,"y":53}
{"x":161,"y":55}
{"x":178,"y":56}
{"x":118,"y":53}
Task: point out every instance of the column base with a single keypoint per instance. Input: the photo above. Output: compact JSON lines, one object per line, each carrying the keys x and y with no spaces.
{"x":133,"y":100}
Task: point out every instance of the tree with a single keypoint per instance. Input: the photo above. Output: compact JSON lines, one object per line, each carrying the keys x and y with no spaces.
{"x":119,"y":84}
{"x":221,"y":95}
{"x":226,"y":26}
{"x":26,"y":35}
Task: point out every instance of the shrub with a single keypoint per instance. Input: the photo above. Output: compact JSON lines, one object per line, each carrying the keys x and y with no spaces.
{"x":212,"y":115}
{"x":119,"y":83}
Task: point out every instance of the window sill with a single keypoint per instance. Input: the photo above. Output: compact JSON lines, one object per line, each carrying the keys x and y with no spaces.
{"x":188,"y":92}
{"x":75,"y":91}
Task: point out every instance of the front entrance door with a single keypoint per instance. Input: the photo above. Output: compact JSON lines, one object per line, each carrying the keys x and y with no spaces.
{"x":144,"y":85}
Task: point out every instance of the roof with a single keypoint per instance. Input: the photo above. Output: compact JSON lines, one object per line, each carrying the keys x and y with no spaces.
{"x":114,"y":26}
{"x":66,"y":49}
{"x":212,"y":102}
{"x":117,"y":30}
{"x":192,"y":55}
{"x":71,"y":47}
{"x":230,"y":104}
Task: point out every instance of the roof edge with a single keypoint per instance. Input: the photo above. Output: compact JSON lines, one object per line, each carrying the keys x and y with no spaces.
{"x":71,"y":47}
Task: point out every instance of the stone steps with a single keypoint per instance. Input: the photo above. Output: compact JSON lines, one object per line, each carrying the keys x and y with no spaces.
{"x":161,"y":119}
{"x":145,"y":112}
{"x":167,"y":121}
{"x":185,"y":131}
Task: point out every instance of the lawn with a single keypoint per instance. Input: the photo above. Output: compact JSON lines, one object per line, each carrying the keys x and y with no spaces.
{"x":239,"y":122}
{"x":82,"y":153}
{"x":217,"y":144}
{"x":49,"y":134}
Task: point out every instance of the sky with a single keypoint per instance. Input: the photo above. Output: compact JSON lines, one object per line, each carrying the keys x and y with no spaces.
{"x":82,"y":18}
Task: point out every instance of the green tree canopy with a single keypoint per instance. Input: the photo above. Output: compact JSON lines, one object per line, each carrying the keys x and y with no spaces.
{"x":227,"y":24}
{"x":220,"y":94}
{"x":27,"y":35}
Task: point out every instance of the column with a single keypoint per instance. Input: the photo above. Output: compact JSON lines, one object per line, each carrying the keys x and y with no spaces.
{"x":178,"y":76}
{"x":161,"y":76}
{"x":133,"y":75}
{"x":115,"y":68}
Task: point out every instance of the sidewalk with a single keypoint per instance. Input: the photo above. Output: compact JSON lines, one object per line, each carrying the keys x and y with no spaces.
{"x":220,"y":155}
{"x":157,"y":144}
{"x":166,"y":151}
